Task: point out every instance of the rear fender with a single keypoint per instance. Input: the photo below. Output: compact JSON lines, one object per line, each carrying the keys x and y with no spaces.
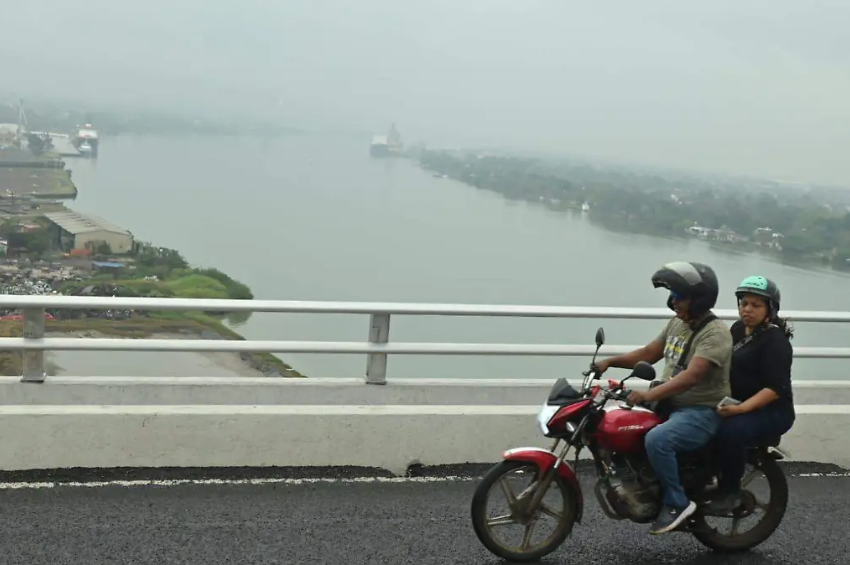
{"x":545,"y":460}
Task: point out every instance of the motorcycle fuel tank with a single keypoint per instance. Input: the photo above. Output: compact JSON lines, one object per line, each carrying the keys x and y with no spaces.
{"x":622,"y":430}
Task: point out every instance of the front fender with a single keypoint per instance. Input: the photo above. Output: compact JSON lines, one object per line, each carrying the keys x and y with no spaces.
{"x":545,"y":460}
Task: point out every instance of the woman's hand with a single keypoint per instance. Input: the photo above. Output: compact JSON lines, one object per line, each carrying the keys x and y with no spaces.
{"x":728,"y":411}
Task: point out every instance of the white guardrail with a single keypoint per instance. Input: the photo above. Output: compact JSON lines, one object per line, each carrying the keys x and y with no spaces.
{"x":96,"y":422}
{"x":33,"y":343}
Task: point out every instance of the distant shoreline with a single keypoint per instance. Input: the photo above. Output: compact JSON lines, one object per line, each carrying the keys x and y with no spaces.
{"x":543,"y":193}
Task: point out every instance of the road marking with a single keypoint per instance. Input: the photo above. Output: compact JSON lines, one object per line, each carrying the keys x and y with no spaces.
{"x":289,"y":482}
{"x":258,"y":481}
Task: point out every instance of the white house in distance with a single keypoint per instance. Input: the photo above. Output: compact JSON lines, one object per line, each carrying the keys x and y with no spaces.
{"x":768,"y":238}
{"x":714,"y":234}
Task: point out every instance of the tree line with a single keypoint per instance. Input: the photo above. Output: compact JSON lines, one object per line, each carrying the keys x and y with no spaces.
{"x":664,"y":204}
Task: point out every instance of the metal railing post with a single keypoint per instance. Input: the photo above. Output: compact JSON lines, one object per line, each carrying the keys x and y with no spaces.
{"x":33,"y":360}
{"x":376,"y":366}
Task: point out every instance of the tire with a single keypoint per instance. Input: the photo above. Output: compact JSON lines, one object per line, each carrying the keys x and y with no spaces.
{"x":479,"y":515}
{"x":765,"y":528}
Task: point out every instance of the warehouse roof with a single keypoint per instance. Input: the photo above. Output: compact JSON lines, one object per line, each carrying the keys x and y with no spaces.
{"x":75,"y":222}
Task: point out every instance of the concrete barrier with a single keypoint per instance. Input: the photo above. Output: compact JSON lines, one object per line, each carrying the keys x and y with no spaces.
{"x":69,"y":390}
{"x":387,"y":436}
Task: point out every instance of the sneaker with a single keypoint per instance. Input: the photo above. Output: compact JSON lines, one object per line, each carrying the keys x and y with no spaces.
{"x":671,"y":518}
{"x":723,"y":504}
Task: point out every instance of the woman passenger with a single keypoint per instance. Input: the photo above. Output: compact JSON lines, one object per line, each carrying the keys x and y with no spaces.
{"x":760,"y":377}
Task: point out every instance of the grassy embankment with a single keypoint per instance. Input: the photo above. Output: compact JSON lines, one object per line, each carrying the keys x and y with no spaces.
{"x":59,"y":185}
{"x":39,"y":182}
{"x":179,"y":283}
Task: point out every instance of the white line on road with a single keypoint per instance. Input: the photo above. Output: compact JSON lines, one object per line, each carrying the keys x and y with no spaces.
{"x":292,"y":482}
{"x":258,"y":481}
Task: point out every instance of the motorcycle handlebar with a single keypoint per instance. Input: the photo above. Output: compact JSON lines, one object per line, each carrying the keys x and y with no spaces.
{"x":619,"y":393}
{"x":623,"y":395}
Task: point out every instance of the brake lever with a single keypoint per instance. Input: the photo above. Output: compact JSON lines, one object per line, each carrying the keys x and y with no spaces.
{"x":615,"y":393}
{"x":623,"y":397}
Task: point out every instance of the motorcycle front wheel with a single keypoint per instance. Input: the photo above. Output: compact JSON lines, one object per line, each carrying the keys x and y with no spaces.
{"x":504,"y":478}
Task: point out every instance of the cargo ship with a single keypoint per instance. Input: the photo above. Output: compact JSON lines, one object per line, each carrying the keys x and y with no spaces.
{"x":389,"y":145}
{"x":87,"y":141}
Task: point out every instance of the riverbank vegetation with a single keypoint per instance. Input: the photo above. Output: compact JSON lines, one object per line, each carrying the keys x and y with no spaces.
{"x":160,"y":272}
{"x":149,"y":271}
{"x":798,"y":224}
{"x":33,"y":182}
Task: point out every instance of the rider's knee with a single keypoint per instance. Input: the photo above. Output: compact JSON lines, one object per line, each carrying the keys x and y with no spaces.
{"x":656,"y":439}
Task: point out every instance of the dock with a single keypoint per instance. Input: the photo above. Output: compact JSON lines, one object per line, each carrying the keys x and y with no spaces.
{"x":25,"y":174}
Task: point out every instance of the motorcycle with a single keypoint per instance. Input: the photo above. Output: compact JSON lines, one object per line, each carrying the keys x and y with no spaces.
{"x":626,"y":487}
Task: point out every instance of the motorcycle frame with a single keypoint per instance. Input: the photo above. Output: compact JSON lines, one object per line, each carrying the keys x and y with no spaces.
{"x":549,"y":464}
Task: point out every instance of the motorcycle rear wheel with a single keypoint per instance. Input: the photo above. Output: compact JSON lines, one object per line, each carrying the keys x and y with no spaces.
{"x":483,"y":530}
{"x":774,"y":513}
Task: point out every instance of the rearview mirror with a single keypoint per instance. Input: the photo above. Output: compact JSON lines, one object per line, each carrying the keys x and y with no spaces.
{"x":600,"y":337}
{"x":644,"y":371}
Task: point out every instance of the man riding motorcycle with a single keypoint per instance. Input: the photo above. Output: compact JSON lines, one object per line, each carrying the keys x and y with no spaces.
{"x":691,"y":386}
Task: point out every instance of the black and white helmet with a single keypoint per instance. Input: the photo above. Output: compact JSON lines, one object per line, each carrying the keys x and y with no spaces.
{"x":690,"y":280}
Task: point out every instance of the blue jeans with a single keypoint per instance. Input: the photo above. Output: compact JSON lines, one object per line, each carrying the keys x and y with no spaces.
{"x":687,"y":429}
{"x":738,"y":433}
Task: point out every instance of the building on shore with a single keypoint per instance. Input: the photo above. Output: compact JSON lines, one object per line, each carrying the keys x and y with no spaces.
{"x":73,"y":230}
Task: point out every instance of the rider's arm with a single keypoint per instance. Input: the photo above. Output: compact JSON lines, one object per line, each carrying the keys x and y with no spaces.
{"x":759,"y":400}
{"x":712,"y":348}
{"x":775,"y":368}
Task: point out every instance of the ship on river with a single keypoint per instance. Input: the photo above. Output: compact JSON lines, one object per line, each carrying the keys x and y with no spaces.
{"x":389,"y":145}
{"x":87,"y":141}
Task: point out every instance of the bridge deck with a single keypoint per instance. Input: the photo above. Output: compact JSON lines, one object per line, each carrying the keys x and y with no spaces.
{"x":419,"y":521}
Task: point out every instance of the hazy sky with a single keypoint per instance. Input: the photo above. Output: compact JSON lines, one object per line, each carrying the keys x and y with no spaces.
{"x":758,"y":87}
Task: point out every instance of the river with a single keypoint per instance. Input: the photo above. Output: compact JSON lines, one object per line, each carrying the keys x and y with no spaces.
{"x":315,"y":218}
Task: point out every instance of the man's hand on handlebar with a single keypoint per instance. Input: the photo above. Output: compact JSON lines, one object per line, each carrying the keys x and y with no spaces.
{"x":637,"y":397}
{"x":619,"y":393}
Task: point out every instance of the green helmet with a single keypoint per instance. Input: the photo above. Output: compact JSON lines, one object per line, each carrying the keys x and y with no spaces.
{"x":760,"y":286}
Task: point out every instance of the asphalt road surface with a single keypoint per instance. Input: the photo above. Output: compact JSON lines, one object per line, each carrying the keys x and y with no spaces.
{"x":349,"y":521}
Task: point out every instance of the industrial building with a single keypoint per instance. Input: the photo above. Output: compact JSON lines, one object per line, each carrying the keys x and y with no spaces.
{"x":73,"y":230}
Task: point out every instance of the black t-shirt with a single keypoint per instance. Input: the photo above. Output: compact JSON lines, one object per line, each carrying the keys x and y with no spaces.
{"x":764,"y":362}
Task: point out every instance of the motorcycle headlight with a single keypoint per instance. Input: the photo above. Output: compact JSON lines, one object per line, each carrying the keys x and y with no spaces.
{"x":544,"y":415}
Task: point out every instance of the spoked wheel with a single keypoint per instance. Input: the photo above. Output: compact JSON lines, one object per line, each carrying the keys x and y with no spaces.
{"x":764,"y":498}
{"x":513,"y":530}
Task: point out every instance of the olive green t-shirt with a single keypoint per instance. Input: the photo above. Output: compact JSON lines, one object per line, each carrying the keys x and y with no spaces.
{"x":714,"y":343}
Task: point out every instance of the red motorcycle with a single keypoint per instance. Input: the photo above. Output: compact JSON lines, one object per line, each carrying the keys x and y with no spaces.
{"x":626,"y":487}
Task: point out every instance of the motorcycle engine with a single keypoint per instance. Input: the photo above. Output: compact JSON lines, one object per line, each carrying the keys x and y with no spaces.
{"x":632,"y":490}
